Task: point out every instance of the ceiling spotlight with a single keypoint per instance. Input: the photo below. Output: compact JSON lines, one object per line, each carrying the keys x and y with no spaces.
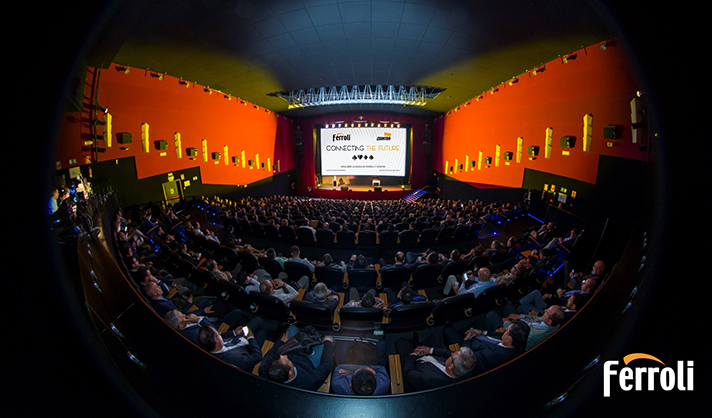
{"x":513,"y":81}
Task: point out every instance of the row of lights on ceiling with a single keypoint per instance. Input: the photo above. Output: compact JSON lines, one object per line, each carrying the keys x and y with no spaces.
{"x":363,"y":124}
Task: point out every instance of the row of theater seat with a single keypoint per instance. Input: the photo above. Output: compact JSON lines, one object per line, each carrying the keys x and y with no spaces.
{"x":404,"y":317}
{"x":423,"y":235}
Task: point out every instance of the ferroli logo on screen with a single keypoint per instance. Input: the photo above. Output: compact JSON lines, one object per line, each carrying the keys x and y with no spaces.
{"x":650,"y":378}
{"x":340,"y":137}
{"x":386,"y":137}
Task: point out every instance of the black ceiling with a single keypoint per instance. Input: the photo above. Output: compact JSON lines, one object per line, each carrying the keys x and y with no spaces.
{"x":250,"y":49}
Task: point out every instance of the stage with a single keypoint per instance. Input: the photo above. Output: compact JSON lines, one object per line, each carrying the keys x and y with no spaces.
{"x":361,"y":192}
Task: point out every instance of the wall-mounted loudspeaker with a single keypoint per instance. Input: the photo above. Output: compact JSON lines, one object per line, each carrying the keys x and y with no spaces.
{"x":508,"y":155}
{"x":611,"y":131}
{"x":427,"y":135}
{"x":123,"y":137}
{"x":488,"y":160}
{"x":215,"y":155}
{"x":377,"y":188}
{"x":235,"y":160}
{"x":191,"y":152}
{"x":161,"y":145}
{"x":568,"y":141}
{"x":533,"y":150}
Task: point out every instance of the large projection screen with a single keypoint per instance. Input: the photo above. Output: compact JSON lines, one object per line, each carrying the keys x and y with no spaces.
{"x":363,"y":151}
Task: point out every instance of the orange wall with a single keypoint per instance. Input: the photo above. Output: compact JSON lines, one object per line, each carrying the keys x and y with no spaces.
{"x":597,"y":82}
{"x":168,"y":106}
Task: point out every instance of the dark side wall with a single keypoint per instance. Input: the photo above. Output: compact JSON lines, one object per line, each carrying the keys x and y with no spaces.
{"x":120,"y":175}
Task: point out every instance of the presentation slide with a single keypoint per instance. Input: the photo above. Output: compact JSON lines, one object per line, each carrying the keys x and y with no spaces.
{"x":363,"y":151}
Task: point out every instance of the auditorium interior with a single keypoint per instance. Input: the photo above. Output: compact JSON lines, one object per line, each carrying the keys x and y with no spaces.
{"x":338,"y":127}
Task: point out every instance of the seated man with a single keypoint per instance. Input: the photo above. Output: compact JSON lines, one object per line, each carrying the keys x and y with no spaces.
{"x":491,"y":352}
{"x":404,"y":296}
{"x":470,"y":284}
{"x":322,"y":294}
{"x":187,"y":325}
{"x":279,"y":289}
{"x":242,"y":351}
{"x":369,"y":299}
{"x":540,"y":327}
{"x":154,"y":292}
{"x":289,"y":362}
{"x":588,"y":287}
{"x":220,"y":310}
{"x":295,"y":253}
{"x":425,"y":367}
{"x":361,"y":370}
{"x":597,"y":274}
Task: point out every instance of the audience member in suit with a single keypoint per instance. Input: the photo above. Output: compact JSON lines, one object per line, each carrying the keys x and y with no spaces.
{"x":588,"y":287}
{"x":361,"y":369}
{"x":220,"y":310}
{"x":491,"y":352}
{"x":189,"y":326}
{"x":597,"y":273}
{"x":294,"y":367}
{"x":322,"y":294}
{"x":425,"y":367}
{"x":399,"y":260}
{"x":158,"y":302}
{"x":540,"y":327}
{"x":242,"y":351}
{"x":573,"y":304}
